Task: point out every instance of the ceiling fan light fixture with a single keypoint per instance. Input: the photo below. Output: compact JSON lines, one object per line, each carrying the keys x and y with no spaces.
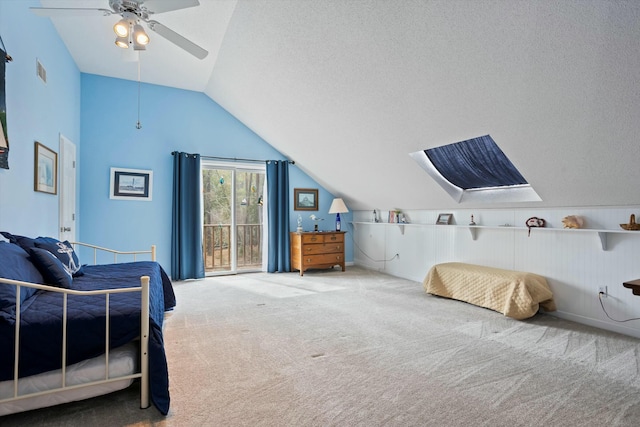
{"x":122,"y":42}
{"x":132,"y":14}
{"x":121,"y":28}
{"x":139,"y":35}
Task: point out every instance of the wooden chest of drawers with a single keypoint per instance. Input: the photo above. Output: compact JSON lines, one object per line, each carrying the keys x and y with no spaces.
{"x":317,"y":250}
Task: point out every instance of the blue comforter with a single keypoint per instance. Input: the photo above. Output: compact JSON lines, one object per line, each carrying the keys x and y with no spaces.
{"x":41,"y":320}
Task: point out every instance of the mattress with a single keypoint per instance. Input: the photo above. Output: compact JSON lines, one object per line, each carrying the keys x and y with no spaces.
{"x":515,"y":294}
{"x":41,"y":317}
{"x":122,"y":361}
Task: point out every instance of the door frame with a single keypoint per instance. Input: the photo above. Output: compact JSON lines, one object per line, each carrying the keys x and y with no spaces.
{"x":237,"y":167}
{"x":67,"y":219}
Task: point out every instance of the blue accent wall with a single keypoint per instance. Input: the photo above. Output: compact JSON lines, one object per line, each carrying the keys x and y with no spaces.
{"x":35,"y":112}
{"x":172,"y":120}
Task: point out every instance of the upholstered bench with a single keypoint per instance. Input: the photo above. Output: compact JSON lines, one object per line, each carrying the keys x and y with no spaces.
{"x":513,"y":293}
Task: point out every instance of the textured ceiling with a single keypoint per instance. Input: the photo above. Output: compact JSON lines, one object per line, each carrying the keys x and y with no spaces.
{"x":349,"y":88}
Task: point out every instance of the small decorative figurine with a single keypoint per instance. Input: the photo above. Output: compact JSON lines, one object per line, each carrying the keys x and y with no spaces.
{"x":316,"y":219}
{"x":632,"y":224}
{"x":472,"y":221}
{"x":299,"y":229}
{"x":534,"y":221}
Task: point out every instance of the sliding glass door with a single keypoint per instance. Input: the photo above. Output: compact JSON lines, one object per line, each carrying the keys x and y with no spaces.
{"x":233,"y":217}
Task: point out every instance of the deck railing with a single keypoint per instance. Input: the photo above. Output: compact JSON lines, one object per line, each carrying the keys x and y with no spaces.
{"x":217,"y":246}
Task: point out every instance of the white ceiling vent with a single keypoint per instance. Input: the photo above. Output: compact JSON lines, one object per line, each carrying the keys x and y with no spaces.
{"x":40,"y":70}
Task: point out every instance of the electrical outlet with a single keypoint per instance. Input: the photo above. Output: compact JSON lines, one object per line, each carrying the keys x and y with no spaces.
{"x":603,"y":290}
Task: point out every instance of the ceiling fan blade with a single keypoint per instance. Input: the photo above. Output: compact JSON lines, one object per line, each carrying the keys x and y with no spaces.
{"x":161,"y":6}
{"x":177,"y":39}
{"x":67,"y":11}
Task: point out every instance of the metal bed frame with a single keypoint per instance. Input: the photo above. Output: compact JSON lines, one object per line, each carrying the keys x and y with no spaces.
{"x":144,"y":330}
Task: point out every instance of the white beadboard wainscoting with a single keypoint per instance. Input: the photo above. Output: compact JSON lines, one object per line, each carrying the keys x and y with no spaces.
{"x":576,"y":263}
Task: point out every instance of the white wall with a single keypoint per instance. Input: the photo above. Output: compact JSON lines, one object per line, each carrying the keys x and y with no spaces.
{"x":341,"y":85}
{"x":573,"y":261}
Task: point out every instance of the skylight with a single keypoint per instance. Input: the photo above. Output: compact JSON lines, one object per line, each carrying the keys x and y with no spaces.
{"x":476,"y":170}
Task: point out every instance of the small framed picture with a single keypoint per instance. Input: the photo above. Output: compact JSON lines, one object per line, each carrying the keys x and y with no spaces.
{"x":305,"y":199}
{"x":45,"y":170}
{"x":444,"y":219}
{"x":131,"y":184}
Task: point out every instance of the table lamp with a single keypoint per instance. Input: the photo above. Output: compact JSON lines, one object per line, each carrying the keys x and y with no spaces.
{"x":338,"y":207}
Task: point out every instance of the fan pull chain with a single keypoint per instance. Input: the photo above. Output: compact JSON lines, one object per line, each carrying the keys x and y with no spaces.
{"x":138,"y":124}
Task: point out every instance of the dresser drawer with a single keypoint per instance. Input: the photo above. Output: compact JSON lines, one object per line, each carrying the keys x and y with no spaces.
{"x":322,"y":238}
{"x":324,"y":259}
{"x":334,"y":238}
{"x":324,"y":248}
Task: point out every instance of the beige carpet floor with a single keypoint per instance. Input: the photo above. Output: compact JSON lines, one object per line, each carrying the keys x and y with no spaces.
{"x":361,"y":348}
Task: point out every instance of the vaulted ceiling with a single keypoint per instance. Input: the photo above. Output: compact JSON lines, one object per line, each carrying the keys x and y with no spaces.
{"x":348,"y":88}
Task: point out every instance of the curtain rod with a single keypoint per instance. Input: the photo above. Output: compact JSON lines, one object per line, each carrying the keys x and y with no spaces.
{"x":235,"y":159}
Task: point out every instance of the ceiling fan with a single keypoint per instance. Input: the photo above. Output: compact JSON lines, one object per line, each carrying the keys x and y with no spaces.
{"x":128,"y":30}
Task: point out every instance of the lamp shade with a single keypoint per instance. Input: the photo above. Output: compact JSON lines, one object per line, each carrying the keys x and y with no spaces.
{"x":139,"y":35}
{"x":121,"y":28}
{"x":122,"y":42}
{"x":338,"y":206}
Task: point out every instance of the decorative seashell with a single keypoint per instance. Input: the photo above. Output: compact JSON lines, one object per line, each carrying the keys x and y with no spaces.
{"x":572,"y":221}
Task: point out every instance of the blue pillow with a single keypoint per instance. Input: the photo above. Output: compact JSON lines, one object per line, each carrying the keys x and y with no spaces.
{"x":22,"y":241}
{"x":53,"y":271}
{"x":64,"y":252}
{"x":15,"y":265}
{"x":27,"y":243}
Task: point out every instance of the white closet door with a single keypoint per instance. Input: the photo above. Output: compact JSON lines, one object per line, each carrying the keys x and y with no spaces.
{"x":67,"y":190}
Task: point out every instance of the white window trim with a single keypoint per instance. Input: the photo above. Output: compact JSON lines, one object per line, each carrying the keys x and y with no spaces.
{"x":509,"y":194}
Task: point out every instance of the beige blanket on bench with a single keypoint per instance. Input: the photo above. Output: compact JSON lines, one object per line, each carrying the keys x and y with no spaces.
{"x":512,"y":293}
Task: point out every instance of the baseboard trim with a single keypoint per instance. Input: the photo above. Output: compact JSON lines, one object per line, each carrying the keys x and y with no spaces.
{"x":596,"y":323}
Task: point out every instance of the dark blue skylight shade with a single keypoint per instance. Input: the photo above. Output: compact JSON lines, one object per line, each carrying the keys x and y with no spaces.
{"x":475,"y":163}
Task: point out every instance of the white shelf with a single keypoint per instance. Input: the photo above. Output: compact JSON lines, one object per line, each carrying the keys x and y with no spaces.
{"x":473,"y":229}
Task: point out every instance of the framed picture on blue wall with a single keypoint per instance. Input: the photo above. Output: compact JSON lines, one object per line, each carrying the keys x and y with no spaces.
{"x":305,"y":199}
{"x":131,"y":184}
{"x":45,"y":169}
